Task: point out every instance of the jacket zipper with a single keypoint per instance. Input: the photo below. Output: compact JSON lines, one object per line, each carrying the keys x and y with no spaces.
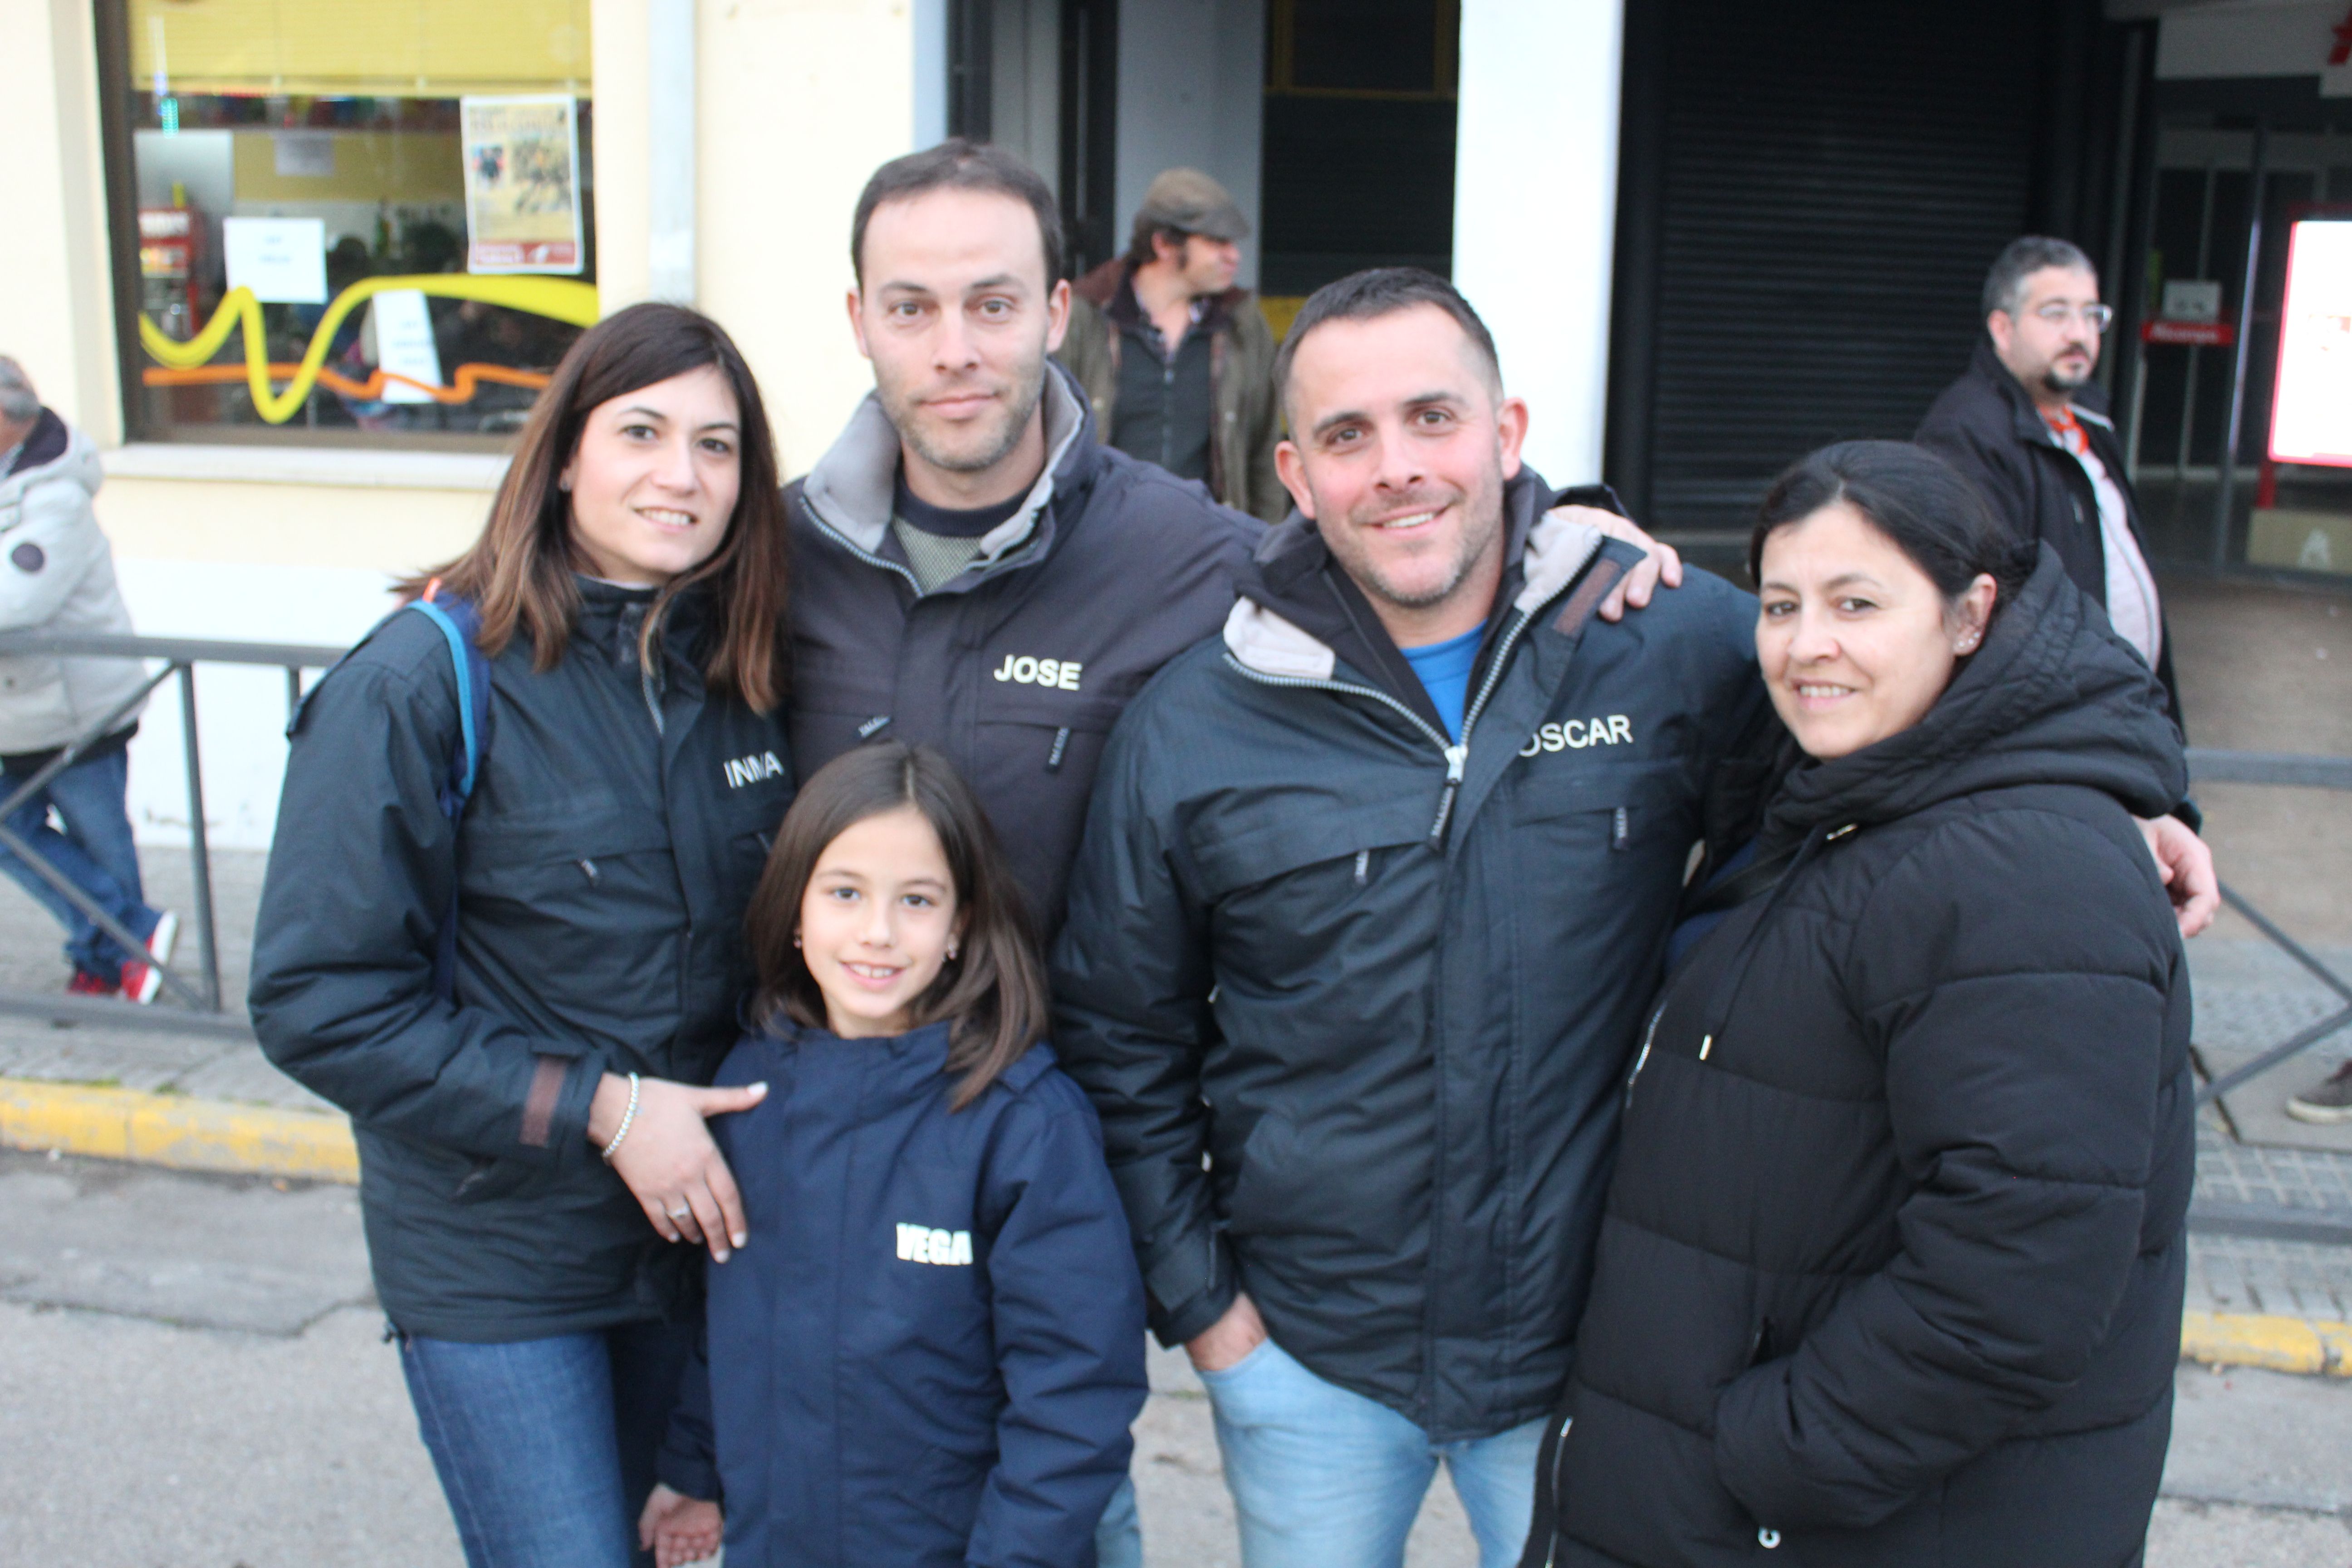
{"x":653,"y":699}
{"x":1456,"y":753}
{"x":1643,"y":1059}
{"x":866,"y":555}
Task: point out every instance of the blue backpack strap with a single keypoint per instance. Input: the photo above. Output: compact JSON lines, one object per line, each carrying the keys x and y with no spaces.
{"x":461,"y":626}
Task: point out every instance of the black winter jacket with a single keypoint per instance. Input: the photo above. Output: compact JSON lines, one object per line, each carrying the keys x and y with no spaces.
{"x":1892,"y":1265}
{"x":602,"y":875}
{"x":1389,"y":985}
{"x":1986,"y":426}
{"x":930,"y":1352}
{"x":1017,"y":668}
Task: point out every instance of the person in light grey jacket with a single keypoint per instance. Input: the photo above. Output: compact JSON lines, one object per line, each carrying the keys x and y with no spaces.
{"x":57,"y":575}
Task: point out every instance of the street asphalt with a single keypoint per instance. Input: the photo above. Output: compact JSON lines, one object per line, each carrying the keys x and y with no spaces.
{"x":193,"y":1376}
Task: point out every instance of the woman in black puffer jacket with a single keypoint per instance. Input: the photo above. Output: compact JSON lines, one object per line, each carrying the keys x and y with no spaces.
{"x":1892,"y":1266}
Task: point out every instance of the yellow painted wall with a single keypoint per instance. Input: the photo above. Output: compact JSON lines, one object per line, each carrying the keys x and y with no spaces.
{"x":376,"y":529}
{"x":55,"y":314}
{"x":369,"y":165}
{"x":624,"y":213}
{"x":800,"y":100}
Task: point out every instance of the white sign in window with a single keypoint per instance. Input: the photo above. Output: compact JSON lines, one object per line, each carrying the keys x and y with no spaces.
{"x":2191,"y":300}
{"x":2311,"y":413}
{"x":282,"y":259}
{"x":402,"y":328}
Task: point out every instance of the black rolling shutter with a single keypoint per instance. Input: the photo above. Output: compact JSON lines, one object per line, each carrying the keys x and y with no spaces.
{"x":1836,"y":179}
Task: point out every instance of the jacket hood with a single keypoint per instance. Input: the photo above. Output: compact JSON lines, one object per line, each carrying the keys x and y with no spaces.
{"x":851,"y":489}
{"x":54,"y":451}
{"x":2053,"y":696}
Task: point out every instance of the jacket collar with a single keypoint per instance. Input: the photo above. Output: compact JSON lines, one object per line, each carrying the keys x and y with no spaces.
{"x":54,"y":450}
{"x":2025,"y":415}
{"x":914,"y":1063}
{"x":45,"y":443}
{"x":851,"y":489}
{"x":612,"y":615}
{"x":1299,"y":614}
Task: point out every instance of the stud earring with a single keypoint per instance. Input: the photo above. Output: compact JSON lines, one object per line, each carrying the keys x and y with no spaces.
{"x":564,"y":485}
{"x":952,"y":953}
{"x":796,"y":941}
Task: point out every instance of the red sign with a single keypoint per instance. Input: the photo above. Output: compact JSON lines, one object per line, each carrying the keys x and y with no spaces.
{"x":2195,"y":334}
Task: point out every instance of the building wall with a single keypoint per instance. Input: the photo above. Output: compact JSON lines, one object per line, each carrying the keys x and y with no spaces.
{"x":1192,"y":77}
{"x":796,"y":102}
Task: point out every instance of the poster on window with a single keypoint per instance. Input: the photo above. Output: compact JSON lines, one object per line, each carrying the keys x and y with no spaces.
{"x":2311,"y":414}
{"x":522,"y":183}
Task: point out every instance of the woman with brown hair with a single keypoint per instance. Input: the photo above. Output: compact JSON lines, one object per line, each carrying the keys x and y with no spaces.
{"x":502,"y":926}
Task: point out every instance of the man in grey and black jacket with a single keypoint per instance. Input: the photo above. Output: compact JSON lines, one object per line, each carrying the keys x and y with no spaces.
{"x":1372,"y":896}
{"x":974,"y":571}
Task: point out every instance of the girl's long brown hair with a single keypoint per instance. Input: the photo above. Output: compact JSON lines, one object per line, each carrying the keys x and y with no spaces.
{"x":993,"y":991}
{"x":518,"y":573}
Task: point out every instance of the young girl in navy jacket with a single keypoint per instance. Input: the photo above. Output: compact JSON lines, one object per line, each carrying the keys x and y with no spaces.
{"x":930,"y":1348}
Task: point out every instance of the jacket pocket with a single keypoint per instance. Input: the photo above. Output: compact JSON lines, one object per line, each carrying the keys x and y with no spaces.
{"x":36,"y":710}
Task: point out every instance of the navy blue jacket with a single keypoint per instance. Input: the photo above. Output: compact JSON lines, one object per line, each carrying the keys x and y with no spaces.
{"x":932,"y":1348}
{"x":1390,"y":984}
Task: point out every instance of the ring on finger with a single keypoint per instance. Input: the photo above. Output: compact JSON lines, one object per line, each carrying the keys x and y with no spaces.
{"x":683,"y":1211}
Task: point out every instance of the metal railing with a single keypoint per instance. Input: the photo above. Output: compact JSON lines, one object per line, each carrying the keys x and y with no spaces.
{"x":201,"y":995}
{"x":2274,"y":1221}
{"x":2297,"y":771}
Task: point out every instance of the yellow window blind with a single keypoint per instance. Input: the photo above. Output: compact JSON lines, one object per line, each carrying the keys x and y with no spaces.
{"x":381,"y":48}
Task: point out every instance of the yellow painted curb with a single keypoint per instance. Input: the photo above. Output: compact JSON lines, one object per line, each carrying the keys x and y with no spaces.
{"x":171,"y":1129}
{"x":2282,"y":1344}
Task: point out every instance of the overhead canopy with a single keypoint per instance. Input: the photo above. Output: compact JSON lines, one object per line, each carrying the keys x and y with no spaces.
{"x":377,"y":48}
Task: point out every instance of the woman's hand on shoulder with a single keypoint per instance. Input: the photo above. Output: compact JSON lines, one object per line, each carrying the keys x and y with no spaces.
{"x":2185,"y":862}
{"x":667,"y":1156}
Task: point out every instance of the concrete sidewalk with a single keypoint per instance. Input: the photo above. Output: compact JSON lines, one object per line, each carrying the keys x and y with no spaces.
{"x":191,"y":1370}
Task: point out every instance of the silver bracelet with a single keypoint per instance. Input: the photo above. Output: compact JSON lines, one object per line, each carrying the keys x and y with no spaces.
{"x":626,"y":1117}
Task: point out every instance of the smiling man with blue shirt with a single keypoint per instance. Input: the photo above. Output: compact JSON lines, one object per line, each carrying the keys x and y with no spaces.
{"x":1373,"y":892}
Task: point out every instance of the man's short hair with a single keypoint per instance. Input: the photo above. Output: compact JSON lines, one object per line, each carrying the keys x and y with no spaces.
{"x":2004,"y":287}
{"x":958,"y":163}
{"x":19,"y":401}
{"x":1383,"y":292}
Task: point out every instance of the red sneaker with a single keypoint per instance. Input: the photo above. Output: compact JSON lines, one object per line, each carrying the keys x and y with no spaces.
{"x":85,"y":983}
{"x":141,"y":982}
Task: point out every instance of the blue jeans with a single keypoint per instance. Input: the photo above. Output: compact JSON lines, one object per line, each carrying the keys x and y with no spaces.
{"x":545,"y":1447}
{"x":94,"y":852}
{"x":1118,"y":1539}
{"x":1322,"y":1478}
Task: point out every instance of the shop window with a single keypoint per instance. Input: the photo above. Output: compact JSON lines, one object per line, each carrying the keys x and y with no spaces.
{"x":347,"y":221}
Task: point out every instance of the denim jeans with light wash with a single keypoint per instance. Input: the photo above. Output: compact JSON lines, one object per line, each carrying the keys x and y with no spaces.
{"x":94,"y":852}
{"x":545,"y":1447}
{"x":1118,"y":1539}
{"x":1323,"y":1478}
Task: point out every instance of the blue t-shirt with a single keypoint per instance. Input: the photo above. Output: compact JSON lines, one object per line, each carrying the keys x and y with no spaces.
{"x":1445,"y":669}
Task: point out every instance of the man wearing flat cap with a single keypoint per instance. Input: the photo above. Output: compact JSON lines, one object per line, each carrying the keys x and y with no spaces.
{"x":1177,"y":362}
